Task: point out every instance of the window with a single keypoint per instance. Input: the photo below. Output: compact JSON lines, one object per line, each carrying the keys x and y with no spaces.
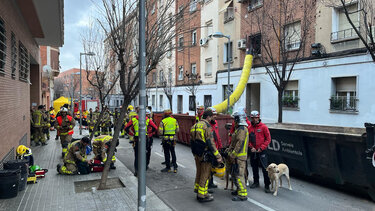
{"x":180,"y":104}
{"x":208,"y":67}
{"x":161,"y":76}
{"x":193,"y":6}
{"x":290,"y":96}
{"x":225,"y":91}
{"x":194,"y":38}
{"x":180,"y":72}
{"x":154,"y":77}
{"x":229,"y":14}
{"x":24,"y":66}
{"x":254,"y":4}
{"x":170,"y":75}
{"x":194,"y":68}
{"x":228,"y":54}
{"x":292,"y":36}
{"x":153,"y":100}
{"x":209,"y":28}
{"x":207,"y":101}
{"x":191,"y":103}
{"x":180,"y":43}
{"x":14,"y":55}
{"x":342,"y":29}
{"x":3,"y":46}
{"x":344,"y":97}
{"x":161,"y":101}
{"x":255,"y":42}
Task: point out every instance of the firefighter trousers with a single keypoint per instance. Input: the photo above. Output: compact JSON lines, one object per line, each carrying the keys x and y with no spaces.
{"x":65,"y":140}
{"x":240,"y":179}
{"x":202,"y":176}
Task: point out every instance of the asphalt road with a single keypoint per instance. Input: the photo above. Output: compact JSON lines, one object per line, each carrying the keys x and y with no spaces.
{"x":176,"y":189}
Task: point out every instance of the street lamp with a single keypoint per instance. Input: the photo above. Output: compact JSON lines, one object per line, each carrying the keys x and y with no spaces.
{"x":221,"y":35}
{"x":80,"y":87}
{"x":73,"y":90}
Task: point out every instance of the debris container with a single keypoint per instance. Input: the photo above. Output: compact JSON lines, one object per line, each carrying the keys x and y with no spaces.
{"x":9,"y":180}
{"x":21,"y":165}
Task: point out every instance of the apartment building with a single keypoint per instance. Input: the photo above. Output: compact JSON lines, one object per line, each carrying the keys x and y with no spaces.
{"x":24,"y":25}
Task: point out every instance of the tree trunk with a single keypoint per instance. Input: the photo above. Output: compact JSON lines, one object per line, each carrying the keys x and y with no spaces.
{"x":279,"y":99}
{"x":170,"y":97}
{"x":103,"y":180}
{"x":96,"y":126}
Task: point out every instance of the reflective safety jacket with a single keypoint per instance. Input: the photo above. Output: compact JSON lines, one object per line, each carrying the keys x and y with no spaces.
{"x":202,"y":131}
{"x":65,"y":125}
{"x":239,"y":145}
{"x":134,"y":125}
{"x":37,"y":118}
{"x":76,"y":152}
{"x":168,"y":128}
{"x":52,"y":114}
{"x":99,"y":144}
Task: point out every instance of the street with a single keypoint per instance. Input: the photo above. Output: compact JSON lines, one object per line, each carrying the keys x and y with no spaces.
{"x":176,"y":190}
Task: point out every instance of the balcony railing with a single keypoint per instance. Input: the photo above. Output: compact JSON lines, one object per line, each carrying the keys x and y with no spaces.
{"x":339,"y":103}
{"x":344,"y":34}
{"x":229,"y":14}
{"x":290,"y":101}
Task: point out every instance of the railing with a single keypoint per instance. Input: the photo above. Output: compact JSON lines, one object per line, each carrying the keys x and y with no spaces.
{"x":290,"y":101}
{"x":344,"y":34}
{"x":292,"y":45}
{"x":340,"y":103}
{"x":229,"y":14}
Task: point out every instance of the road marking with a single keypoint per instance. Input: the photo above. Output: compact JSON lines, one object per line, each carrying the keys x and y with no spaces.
{"x":259,"y":204}
{"x":179,"y":164}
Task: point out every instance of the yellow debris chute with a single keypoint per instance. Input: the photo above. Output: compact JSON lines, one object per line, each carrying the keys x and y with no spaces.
{"x":221,"y":107}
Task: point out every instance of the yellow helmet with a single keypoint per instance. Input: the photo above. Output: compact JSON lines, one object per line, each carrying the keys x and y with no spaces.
{"x":21,"y":149}
{"x":130,"y":108}
{"x":219,"y":171}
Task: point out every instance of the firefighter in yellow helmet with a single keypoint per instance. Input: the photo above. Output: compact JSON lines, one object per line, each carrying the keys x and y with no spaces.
{"x":237,"y":153}
{"x":75,"y":158}
{"x":168,"y":128}
{"x":24,"y":153}
{"x":205,"y":153}
{"x":100,"y":146}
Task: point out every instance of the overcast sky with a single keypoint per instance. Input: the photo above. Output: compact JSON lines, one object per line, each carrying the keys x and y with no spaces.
{"x":77,"y":14}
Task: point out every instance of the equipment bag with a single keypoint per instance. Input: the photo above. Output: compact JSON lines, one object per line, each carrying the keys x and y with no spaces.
{"x":83,"y":168}
{"x":198,"y":147}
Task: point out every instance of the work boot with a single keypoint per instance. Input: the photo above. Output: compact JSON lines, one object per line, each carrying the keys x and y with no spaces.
{"x":267,"y":190}
{"x":37,"y":144}
{"x":234,"y":193}
{"x":237,"y":198}
{"x":58,"y":168}
{"x":166,"y":170}
{"x":174,"y":170}
{"x":210,"y":191}
{"x":212,"y":185}
{"x":43,"y":144}
{"x":112,"y":166}
{"x":254,"y":185}
{"x":163,"y":163}
{"x":205,"y":199}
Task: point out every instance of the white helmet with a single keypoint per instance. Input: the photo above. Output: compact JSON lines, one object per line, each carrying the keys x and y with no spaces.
{"x":240,"y":116}
{"x":63,"y":109}
{"x":254,"y":114}
{"x":148,"y":111}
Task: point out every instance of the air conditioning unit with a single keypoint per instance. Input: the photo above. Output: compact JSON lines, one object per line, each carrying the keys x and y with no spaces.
{"x":316,"y":52}
{"x":316,"y":45}
{"x":203,"y":42}
{"x":241,"y":44}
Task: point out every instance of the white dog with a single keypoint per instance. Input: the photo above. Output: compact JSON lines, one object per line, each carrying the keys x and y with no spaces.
{"x":275,"y":172}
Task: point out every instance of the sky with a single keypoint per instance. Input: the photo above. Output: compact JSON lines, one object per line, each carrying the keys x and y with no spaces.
{"x":77,"y":14}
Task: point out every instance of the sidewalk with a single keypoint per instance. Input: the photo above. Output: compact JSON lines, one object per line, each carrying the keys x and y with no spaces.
{"x":56,"y":192}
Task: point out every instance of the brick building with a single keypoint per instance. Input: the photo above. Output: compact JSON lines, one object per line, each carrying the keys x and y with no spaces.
{"x":24,"y":25}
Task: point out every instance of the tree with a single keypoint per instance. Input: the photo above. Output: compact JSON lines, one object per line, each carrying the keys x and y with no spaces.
{"x":120,"y":24}
{"x":365,"y":29}
{"x":168,"y":87}
{"x":285,"y":35}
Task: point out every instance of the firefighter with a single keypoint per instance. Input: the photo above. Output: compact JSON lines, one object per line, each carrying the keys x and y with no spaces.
{"x":116,"y":117}
{"x":168,"y":128}
{"x":132,"y":129}
{"x":38,"y":120}
{"x":131,"y":114}
{"x":260,"y":138}
{"x":59,"y":114}
{"x":217,"y":139}
{"x":205,"y":153}
{"x":75,"y":159}
{"x":150,"y":134}
{"x":52,"y":116}
{"x":106,"y":123}
{"x":95,"y":118}
{"x":237,"y":152}
{"x":46,"y":123}
{"x":64,"y":125}
{"x":198,"y":116}
{"x":101,"y":146}
{"x":90,"y":121}
{"x":85,"y":113}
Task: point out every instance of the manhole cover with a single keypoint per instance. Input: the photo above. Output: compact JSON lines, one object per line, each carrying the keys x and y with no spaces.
{"x":88,"y":185}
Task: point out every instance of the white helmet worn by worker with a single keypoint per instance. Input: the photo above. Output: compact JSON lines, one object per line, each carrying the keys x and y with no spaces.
{"x":63,"y":109}
{"x":240,"y":116}
{"x":254,"y":114}
{"x":148,"y":112}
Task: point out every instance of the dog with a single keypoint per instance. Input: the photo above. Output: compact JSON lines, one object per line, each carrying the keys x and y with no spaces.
{"x":228,"y":169}
{"x":275,"y":172}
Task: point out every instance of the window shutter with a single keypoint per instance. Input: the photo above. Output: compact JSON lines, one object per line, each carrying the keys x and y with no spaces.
{"x":347,"y":84}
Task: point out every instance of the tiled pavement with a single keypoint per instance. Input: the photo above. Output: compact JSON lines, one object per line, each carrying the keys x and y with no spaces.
{"x":56,"y":192}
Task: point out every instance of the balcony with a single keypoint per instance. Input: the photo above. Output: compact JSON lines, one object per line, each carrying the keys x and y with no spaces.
{"x":229,"y":15}
{"x":344,"y":35}
{"x":339,"y":103}
{"x":290,"y":102}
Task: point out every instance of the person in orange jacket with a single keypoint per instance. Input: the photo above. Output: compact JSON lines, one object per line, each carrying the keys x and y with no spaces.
{"x":132,"y":129}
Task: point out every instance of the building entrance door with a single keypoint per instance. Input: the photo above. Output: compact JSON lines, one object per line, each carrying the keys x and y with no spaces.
{"x":253,"y":97}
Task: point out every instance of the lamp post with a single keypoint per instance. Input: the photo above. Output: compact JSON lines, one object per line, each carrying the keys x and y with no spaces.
{"x":80,"y":87}
{"x":221,"y":35}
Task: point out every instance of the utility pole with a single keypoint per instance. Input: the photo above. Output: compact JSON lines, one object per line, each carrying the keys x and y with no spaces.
{"x":142,"y":112}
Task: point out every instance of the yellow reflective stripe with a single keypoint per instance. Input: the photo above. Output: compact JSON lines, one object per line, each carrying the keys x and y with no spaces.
{"x":198,"y":130}
{"x":113,"y":158}
{"x":243,"y":153}
{"x":70,"y":161}
{"x":216,"y":152}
